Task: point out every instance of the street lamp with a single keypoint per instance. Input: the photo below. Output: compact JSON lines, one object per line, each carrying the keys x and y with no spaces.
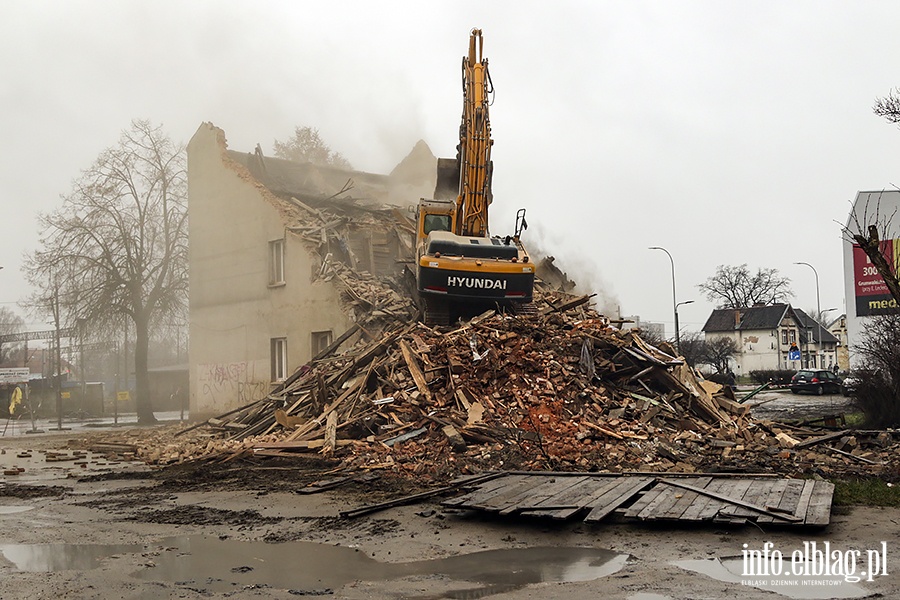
{"x":674,"y":300}
{"x":818,"y":307}
{"x":677,"y":330}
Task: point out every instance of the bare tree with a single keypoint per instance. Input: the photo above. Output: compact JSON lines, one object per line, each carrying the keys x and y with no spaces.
{"x":889,"y":107}
{"x":693,"y":347}
{"x":10,"y":322}
{"x":736,"y":287}
{"x":717,"y":352}
{"x":116,"y":250}
{"x":878,"y":374}
{"x":308,"y":146}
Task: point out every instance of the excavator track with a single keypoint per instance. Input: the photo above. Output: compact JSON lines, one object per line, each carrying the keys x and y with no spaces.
{"x":437,"y":312}
{"x":526,"y":309}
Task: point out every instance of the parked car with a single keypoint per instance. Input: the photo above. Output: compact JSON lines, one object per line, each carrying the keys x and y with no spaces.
{"x":816,"y":382}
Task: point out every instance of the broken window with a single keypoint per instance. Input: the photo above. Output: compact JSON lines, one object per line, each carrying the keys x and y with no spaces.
{"x":276,"y":262}
{"x":320,"y":341}
{"x":279,"y":358}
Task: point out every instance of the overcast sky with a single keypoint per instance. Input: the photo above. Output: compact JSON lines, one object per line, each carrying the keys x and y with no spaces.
{"x":726,"y":132}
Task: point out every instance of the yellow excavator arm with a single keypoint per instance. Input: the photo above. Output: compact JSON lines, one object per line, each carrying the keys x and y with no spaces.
{"x":474,"y":143}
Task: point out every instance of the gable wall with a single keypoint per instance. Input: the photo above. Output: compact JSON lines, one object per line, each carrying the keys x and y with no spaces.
{"x":234,"y":313}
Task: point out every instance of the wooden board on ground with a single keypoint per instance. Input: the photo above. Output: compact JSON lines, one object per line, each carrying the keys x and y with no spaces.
{"x":664,"y":497}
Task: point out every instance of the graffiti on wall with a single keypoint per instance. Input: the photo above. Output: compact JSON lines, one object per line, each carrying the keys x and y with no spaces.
{"x":226,"y":384}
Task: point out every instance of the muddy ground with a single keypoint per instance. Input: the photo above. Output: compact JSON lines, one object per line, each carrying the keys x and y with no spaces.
{"x":85,"y":527}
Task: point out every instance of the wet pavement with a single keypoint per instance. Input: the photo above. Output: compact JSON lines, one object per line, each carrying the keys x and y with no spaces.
{"x":782,"y":405}
{"x":785,"y":582}
{"x":23,"y":426}
{"x":218,"y":565}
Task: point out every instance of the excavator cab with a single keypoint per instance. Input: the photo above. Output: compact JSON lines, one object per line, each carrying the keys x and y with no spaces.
{"x":433,"y":215}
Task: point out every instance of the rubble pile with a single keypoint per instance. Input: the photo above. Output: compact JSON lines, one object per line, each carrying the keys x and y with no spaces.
{"x":558,"y":390}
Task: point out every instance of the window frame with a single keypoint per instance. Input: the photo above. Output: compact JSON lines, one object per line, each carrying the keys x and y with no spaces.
{"x":276,"y":262}
{"x":314,"y":341}
{"x":278,"y":358}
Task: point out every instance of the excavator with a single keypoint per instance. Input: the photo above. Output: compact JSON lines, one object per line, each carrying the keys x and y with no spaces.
{"x":460,"y":268}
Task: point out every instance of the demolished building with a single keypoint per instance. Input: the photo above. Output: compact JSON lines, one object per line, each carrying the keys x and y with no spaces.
{"x":269,"y":241}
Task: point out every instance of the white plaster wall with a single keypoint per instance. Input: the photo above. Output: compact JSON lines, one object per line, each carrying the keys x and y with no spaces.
{"x":234,"y":313}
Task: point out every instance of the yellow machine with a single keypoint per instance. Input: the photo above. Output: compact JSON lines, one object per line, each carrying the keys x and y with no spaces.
{"x":460,"y":268}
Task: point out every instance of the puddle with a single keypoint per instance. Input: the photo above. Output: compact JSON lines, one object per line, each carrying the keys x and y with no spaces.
{"x":229,"y":565}
{"x":793,"y":586}
{"x":13,"y":510}
{"x":62,"y":557}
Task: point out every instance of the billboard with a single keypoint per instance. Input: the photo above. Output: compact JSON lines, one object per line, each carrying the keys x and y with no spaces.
{"x":871,"y":293}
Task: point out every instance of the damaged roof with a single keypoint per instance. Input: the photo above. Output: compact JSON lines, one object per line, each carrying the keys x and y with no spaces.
{"x":411,"y":179}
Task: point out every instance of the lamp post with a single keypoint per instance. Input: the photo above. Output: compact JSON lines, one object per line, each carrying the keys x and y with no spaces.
{"x":677,"y":329}
{"x":674,"y":300}
{"x":818,"y":309}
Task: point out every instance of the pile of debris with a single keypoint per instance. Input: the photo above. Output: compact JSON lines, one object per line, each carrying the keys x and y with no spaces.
{"x":558,"y":390}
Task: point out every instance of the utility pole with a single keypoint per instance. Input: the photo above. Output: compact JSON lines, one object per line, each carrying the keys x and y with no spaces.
{"x":58,"y":358}
{"x":81,"y":360}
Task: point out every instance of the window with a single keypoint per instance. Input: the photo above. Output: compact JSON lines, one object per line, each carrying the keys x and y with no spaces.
{"x":793,"y":336}
{"x":784,"y":337}
{"x":278,"y":349}
{"x":436,"y":222}
{"x":276,"y":262}
{"x":320,"y":341}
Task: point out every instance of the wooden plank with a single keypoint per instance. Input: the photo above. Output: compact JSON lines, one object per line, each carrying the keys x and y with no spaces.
{"x":610,"y":492}
{"x":739,"y":487}
{"x":580,"y":496}
{"x":823,"y":438}
{"x":541,"y":494}
{"x":668,"y":496}
{"x":791,"y":496}
{"x":330,"y":433}
{"x":762,"y":494}
{"x":664,"y":496}
{"x":613,"y":499}
{"x":729,"y":489}
{"x":483,"y":488}
{"x":782,"y":498}
{"x":803,"y":502}
{"x":819,"y":512}
{"x":641,"y":503}
{"x":532,"y":494}
{"x":365,"y":510}
{"x":513,"y":485}
{"x":414,"y":370}
{"x":699,"y":506}
{"x":687,"y":498}
{"x":758,"y":495}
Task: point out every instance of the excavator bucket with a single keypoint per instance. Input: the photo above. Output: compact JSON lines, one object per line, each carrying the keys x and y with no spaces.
{"x":447,"y":187}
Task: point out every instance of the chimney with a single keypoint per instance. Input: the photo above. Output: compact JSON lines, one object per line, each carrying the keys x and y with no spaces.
{"x":737,"y":318}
